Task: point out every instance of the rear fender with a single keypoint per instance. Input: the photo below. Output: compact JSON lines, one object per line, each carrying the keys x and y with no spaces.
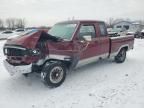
{"x":116,"y":53}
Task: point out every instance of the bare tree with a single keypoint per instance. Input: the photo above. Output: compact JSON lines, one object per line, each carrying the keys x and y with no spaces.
{"x":118,"y":20}
{"x":13,"y":23}
{"x":1,"y":24}
{"x":141,"y":22}
{"x":110,"y":22}
{"x":20,"y":23}
{"x":10,"y":22}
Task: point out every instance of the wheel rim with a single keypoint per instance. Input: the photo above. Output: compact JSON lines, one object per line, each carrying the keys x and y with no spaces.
{"x":56,"y":74}
{"x":122,"y":55}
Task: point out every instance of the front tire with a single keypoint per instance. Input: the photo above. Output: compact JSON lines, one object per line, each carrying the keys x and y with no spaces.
{"x":53,"y":74}
{"x":120,"y":58}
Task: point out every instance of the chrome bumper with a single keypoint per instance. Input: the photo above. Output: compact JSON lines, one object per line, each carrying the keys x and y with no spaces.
{"x":17,"y":69}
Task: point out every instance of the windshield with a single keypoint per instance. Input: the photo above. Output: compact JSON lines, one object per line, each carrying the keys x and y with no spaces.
{"x":63,"y":30}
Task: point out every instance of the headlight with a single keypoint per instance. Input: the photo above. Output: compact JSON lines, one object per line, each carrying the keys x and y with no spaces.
{"x":34,"y":52}
{"x":5,"y":51}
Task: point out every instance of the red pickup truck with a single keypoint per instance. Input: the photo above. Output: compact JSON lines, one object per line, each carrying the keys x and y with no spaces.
{"x":66,"y":46}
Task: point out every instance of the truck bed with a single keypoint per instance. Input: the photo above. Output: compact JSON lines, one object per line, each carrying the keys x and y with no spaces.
{"x":116,"y":43}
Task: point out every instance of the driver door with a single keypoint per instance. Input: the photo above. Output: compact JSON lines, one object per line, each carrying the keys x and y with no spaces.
{"x":88,"y":43}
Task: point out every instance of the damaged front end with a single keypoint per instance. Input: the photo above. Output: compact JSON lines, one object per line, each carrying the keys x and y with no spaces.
{"x":23,"y":51}
{"x":23,"y":69}
{"x":19,"y":59}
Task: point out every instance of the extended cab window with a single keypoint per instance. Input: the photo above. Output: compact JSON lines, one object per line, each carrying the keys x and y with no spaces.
{"x":103,"y":31}
{"x":87,"y":30}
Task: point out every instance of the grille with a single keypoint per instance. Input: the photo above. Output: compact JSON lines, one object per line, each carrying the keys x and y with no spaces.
{"x":14,"y":52}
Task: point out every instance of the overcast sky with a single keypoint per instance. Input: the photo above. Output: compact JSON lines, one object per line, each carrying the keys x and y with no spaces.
{"x":48,"y":12}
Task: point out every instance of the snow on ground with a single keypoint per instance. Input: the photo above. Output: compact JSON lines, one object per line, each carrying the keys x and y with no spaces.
{"x":104,"y":84}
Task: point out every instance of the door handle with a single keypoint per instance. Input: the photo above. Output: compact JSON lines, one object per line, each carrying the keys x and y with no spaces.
{"x":82,"y":41}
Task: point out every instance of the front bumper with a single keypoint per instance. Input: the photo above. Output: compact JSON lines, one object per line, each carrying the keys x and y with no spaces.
{"x":17,"y":69}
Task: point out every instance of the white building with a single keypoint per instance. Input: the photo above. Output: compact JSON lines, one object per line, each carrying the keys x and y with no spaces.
{"x":127,"y":26}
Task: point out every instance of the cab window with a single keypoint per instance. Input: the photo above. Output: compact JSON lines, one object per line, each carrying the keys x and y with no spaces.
{"x":87,"y":30}
{"x":103,"y":31}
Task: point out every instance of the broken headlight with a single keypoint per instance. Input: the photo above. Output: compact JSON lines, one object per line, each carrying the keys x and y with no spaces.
{"x":34,"y":52}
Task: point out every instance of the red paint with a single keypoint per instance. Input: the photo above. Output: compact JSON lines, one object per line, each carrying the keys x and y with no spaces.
{"x":98,"y":46}
{"x":25,"y":41}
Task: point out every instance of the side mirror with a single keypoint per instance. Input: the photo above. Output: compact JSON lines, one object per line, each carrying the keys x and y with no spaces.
{"x":87,"y":38}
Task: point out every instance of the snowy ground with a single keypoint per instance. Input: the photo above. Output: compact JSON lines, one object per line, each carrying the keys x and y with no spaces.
{"x":104,"y":84}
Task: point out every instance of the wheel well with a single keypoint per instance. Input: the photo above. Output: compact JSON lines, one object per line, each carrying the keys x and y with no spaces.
{"x":66,"y":63}
{"x":126,"y":48}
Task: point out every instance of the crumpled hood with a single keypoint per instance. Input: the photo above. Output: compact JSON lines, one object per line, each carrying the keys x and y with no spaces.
{"x":28,"y":40}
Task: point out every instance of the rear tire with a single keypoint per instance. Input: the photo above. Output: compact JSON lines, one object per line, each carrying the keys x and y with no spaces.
{"x":120,"y":58}
{"x":53,"y":74}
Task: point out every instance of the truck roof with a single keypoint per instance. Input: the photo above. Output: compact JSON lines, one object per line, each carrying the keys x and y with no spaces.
{"x":82,"y":21}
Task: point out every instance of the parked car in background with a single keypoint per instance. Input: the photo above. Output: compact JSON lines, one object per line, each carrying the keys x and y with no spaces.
{"x":19,"y":30}
{"x":136,"y":33}
{"x":6,"y":34}
{"x":142,"y":33}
